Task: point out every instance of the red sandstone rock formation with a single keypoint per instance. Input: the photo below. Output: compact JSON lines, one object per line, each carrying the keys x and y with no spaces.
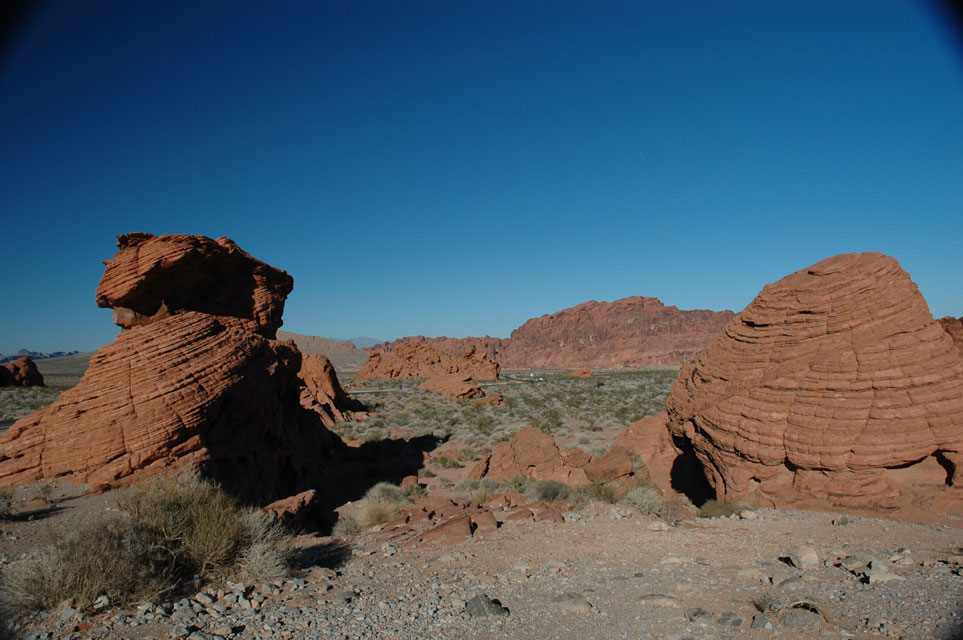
{"x":632,"y":331}
{"x":456,"y":385}
{"x":584,"y":372}
{"x":828,"y":383}
{"x":22,"y":372}
{"x":323,"y":394}
{"x":954,"y":327}
{"x":495,"y":400}
{"x":195,"y":377}
{"x":421,"y":361}
{"x":153,"y":276}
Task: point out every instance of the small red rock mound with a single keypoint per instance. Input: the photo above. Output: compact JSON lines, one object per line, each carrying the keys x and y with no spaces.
{"x":495,"y":400}
{"x":154,"y":276}
{"x":584,"y":372}
{"x":422,"y":361}
{"x":826,"y":386}
{"x":445,"y":521}
{"x":533,"y":454}
{"x":323,"y":394}
{"x":954,"y":327}
{"x":22,"y":372}
{"x":185,"y":386}
{"x":456,"y":385}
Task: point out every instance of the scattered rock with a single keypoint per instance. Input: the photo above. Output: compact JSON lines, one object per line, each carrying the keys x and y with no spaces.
{"x":482,"y":605}
{"x":572,"y":602}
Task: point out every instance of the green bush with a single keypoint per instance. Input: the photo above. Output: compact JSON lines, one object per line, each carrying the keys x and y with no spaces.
{"x":163,"y":534}
{"x":596,"y":492}
{"x":548,"y":491}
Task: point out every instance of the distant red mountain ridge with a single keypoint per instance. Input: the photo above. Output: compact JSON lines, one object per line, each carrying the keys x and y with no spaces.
{"x":634,"y":331}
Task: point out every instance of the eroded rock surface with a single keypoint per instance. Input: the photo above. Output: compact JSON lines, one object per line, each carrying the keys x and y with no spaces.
{"x":456,"y":385}
{"x":835,"y":383}
{"x":422,"y":361}
{"x":633,"y":331}
{"x":22,"y":372}
{"x":323,"y":393}
{"x":197,"y":378}
{"x":154,"y":276}
{"x":954,"y":327}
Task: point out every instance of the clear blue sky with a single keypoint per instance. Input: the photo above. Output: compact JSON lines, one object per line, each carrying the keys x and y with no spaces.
{"x":455,"y":168}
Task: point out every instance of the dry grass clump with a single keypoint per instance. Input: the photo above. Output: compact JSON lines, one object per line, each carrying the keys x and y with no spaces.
{"x":163,"y":535}
{"x":346,"y":525}
{"x":475,"y":491}
{"x":6,"y":502}
{"x":380,"y":504}
{"x":593,"y":492}
{"x":647,"y":500}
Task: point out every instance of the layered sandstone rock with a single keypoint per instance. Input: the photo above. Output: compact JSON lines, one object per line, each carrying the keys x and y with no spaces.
{"x":196,"y":378}
{"x":835,"y":383}
{"x":533,"y":454}
{"x":954,"y":327}
{"x":456,"y":385}
{"x":322,"y":392}
{"x":154,"y":276}
{"x":632,"y":331}
{"x":22,"y":372}
{"x":421,"y":361}
{"x":584,"y":372}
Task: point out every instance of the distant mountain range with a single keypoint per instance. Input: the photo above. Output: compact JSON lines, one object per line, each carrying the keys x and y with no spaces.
{"x":343,"y":354}
{"x":35,"y":355}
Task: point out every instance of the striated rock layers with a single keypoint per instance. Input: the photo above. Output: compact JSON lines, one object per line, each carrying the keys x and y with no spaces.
{"x":322,"y":392}
{"x":835,"y":383}
{"x":954,"y":327}
{"x":22,"y":372}
{"x":422,"y":361}
{"x":632,"y":331}
{"x":194,"y":377}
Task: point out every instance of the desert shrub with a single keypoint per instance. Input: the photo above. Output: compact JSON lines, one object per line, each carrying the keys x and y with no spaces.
{"x":416,"y":491}
{"x":596,"y":492}
{"x":386,"y":493}
{"x":163,"y":534}
{"x":518,"y":484}
{"x":466,"y":454}
{"x":548,"y":491}
{"x":647,"y":500}
{"x":474,"y":490}
{"x":719,"y":508}
{"x":446,"y":463}
{"x":6,"y":502}
{"x":380,"y":504}
{"x":345,"y":525}
{"x":42,"y":491}
{"x":265,"y":549}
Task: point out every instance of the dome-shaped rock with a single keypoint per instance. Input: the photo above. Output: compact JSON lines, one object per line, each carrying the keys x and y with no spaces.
{"x":831,"y":378}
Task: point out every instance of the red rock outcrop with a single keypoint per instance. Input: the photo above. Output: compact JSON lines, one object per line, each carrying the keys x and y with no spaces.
{"x":22,"y":372}
{"x":344,"y":356}
{"x":632,"y":331}
{"x":422,"y":361}
{"x":954,"y":327}
{"x":197,"y":378}
{"x":154,"y":276}
{"x":836,"y":384}
{"x":584,"y":372}
{"x":323,"y":394}
{"x":456,"y":385}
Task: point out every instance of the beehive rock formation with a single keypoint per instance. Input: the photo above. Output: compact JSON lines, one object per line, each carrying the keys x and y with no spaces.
{"x":422,"y":361}
{"x":322,"y":392}
{"x":456,"y":385}
{"x":22,"y":372}
{"x":195,"y":377}
{"x":835,"y":383}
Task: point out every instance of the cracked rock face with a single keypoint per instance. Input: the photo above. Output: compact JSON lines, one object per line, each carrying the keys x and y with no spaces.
{"x":198,"y":378}
{"x":835,"y":383}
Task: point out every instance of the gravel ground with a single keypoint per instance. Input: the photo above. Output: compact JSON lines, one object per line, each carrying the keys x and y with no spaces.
{"x":605,"y":573}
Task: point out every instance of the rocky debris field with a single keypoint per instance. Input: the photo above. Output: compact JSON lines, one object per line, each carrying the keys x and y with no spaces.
{"x":605,"y":572}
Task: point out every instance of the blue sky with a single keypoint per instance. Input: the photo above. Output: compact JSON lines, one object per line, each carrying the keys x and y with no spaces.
{"x":455,"y":168}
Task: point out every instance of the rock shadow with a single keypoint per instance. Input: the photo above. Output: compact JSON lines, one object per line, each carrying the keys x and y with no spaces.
{"x":688,"y":477}
{"x":332,"y":554}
